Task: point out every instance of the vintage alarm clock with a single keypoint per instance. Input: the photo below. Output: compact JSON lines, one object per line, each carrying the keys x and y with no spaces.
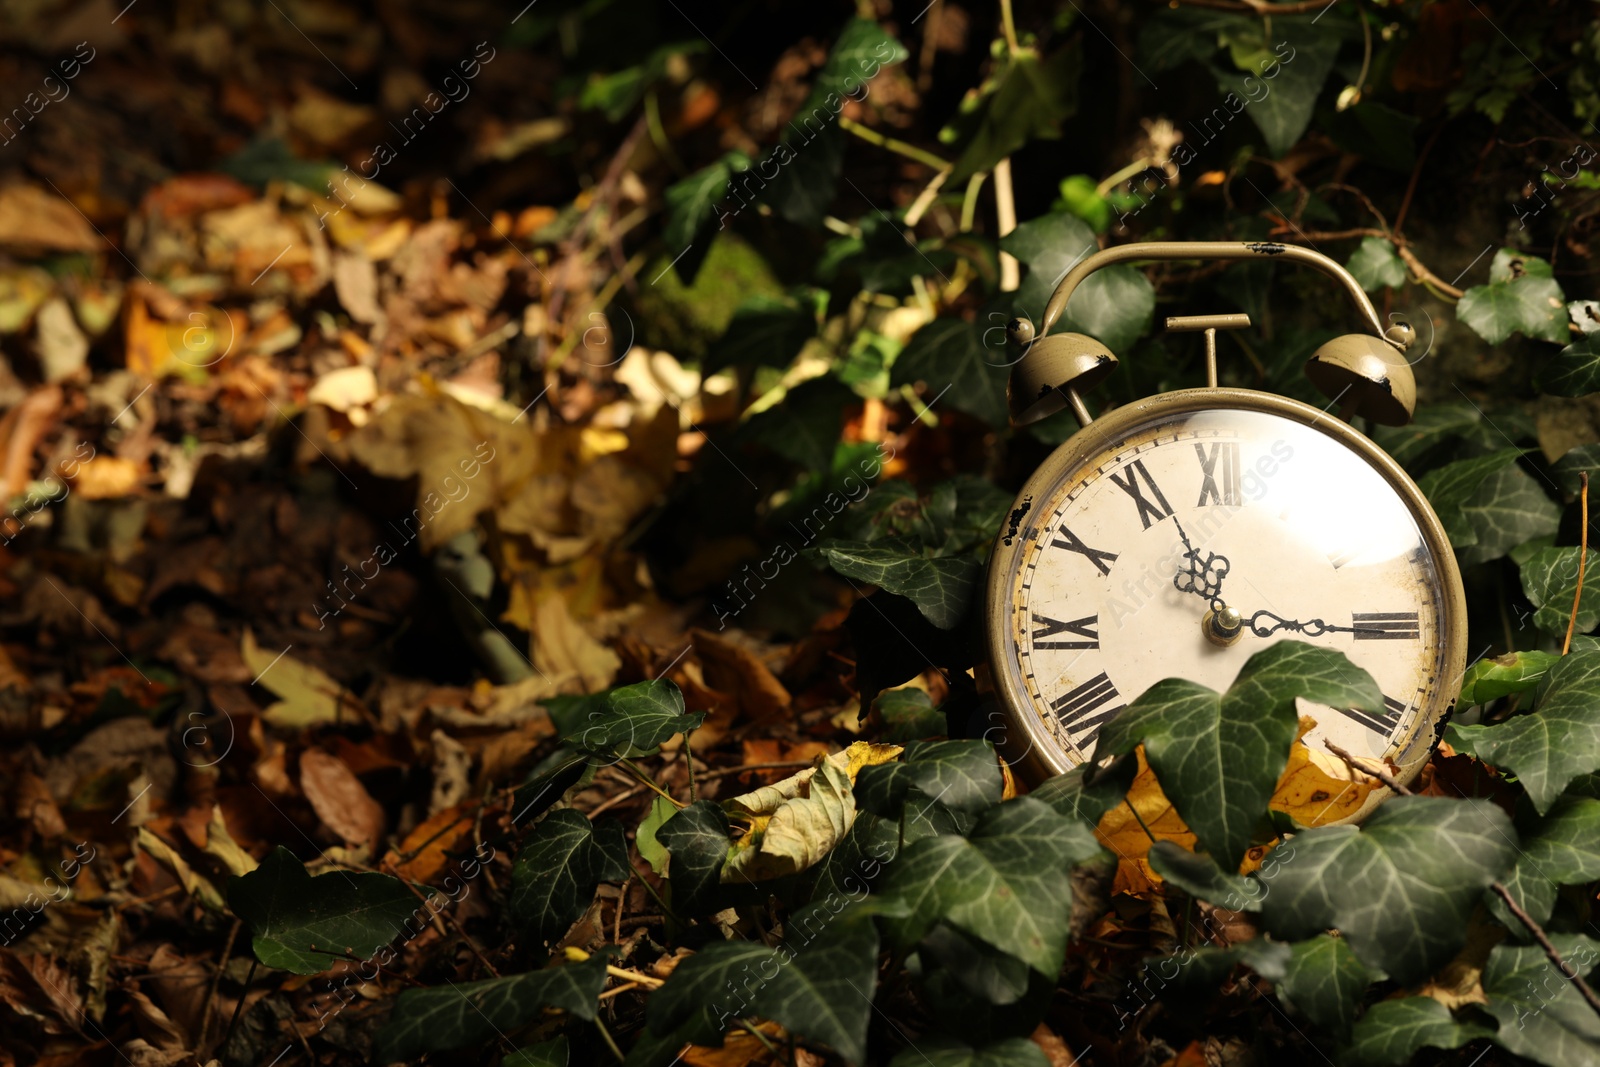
{"x":1179,"y":535}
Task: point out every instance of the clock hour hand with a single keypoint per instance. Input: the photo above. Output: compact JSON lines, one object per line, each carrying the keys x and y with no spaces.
{"x":1265,"y":624}
{"x":1203,"y":577}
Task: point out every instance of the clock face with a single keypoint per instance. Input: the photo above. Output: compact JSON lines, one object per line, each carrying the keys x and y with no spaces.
{"x":1159,"y":521}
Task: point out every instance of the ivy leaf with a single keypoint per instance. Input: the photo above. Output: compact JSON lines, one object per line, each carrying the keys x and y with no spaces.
{"x":691,"y":205}
{"x":820,"y":983}
{"x":300,"y":924}
{"x":651,"y":850}
{"x":959,"y":367}
{"x":1400,"y":887}
{"x":1542,"y":1016}
{"x":1012,"y":1052}
{"x":1499,"y":676}
{"x":804,"y":426}
{"x":634,"y":718}
{"x":857,"y":861}
{"x":1005,"y":884}
{"x":554,"y":877}
{"x":982,"y":970}
{"x":1302,"y":57}
{"x":1556,"y":742}
{"x":1219,"y":756}
{"x":1450,"y":487}
{"x":1585,"y":315}
{"x":552,"y":1053}
{"x":697,"y":838}
{"x":766,"y":331}
{"x":460,"y":1015}
{"x":1509,"y":509}
{"x":1575,"y":371}
{"x":1077,"y":796}
{"x":1198,"y":875}
{"x":1114,"y":305}
{"x":908,"y":715}
{"x":861,"y":51}
{"x":1580,"y":459}
{"x":1522,"y":297}
{"x":963,"y":775}
{"x":1550,"y":580}
{"x":1026,"y":98}
{"x":1563,"y":850}
{"x":1392,"y":1031}
{"x":942,"y":589}
{"x":1433,"y":426}
{"x":1376,"y":265}
{"x":1324,"y":980}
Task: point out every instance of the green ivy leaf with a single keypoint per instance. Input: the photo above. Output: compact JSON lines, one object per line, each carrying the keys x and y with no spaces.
{"x":1218,"y":756}
{"x":1114,"y":305}
{"x":1450,"y":487}
{"x":862,"y":49}
{"x":1584,"y":458}
{"x":1564,"y":849}
{"x":982,"y":970}
{"x":1575,"y":371}
{"x":1392,"y":1031}
{"x":691,"y":206}
{"x":962,"y":775}
{"x":457,"y":1016}
{"x":1026,"y":98}
{"x":633,"y":719}
{"x":1499,"y":676}
{"x":766,"y":331}
{"x":697,"y":838}
{"x":1433,"y":426}
{"x":1077,"y":796}
{"x":1302,"y":55}
{"x":651,"y":850}
{"x":805,"y":425}
{"x":1376,"y":265}
{"x":552,"y":1053}
{"x":1550,"y":581}
{"x":1400,"y":887}
{"x":1542,"y":1016}
{"x":819,"y":985}
{"x":908,"y":715}
{"x":1198,"y":875}
{"x":1324,"y":980}
{"x":554,"y":876}
{"x":1522,"y":297}
{"x":1510,"y":508}
{"x":1556,"y":742}
{"x":1080,"y":196}
{"x":958,"y":366}
{"x":1012,"y":1052}
{"x":856,"y":861}
{"x":301,"y":924}
{"x":942,"y":589}
{"x":1006,"y":884}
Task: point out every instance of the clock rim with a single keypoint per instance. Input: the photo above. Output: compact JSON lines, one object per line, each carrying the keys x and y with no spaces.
{"x":1042,"y":759}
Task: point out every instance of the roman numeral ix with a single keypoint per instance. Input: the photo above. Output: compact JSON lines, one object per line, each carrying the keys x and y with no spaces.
{"x":1385,"y":625}
{"x":1085,"y":709}
{"x":1148,"y":513}
{"x":1072,"y":543}
{"x":1228,"y":453}
{"x":1382,"y":723}
{"x":1085,"y":628}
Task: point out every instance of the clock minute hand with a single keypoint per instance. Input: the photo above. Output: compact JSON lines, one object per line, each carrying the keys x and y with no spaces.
{"x":1203,"y":578}
{"x":1310,"y":628}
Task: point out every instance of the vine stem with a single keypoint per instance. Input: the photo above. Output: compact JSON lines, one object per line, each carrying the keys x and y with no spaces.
{"x":1005,"y":210}
{"x":1583,"y":556}
{"x":1569,"y":972}
{"x":910,"y":151}
{"x":1009,"y":25}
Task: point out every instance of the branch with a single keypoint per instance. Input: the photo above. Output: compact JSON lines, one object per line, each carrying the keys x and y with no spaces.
{"x":1401,"y":245}
{"x":1568,"y":972}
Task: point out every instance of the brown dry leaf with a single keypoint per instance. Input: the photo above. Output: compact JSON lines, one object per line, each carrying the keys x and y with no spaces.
{"x":35,"y":218}
{"x":220,"y":843}
{"x":731,"y":668}
{"x":340,"y":800}
{"x":195,"y":884}
{"x":564,"y":651}
{"x":1120,"y":831}
{"x":22,"y":427}
{"x":355,"y":281}
{"x":1312,"y":796}
{"x":38,"y":987}
{"x":35,"y":805}
{"x":430,"y":842}
{"x":1461,"y":980}
{"x":739,"y":1049}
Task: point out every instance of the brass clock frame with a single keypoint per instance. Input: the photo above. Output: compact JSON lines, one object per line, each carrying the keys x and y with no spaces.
{"x":1030,"y":748}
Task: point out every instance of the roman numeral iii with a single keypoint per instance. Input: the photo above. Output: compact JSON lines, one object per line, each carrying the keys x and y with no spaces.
{"x":1149,"y":513}
{"x":1084,"y":628}
{"x":1382,"y":723}
{"x":1385,"y":625}
{"x":1227,"y":452}
{"x":1072,"y":543}
{"x":1084,"y":710}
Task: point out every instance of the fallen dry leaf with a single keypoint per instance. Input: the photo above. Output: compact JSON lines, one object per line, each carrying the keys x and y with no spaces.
{"x":340,"y":800}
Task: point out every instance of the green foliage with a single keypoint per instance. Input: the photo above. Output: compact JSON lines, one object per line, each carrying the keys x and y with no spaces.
{"x":1400,"y":887}
{"x":1325,"y":981}
{"x":1391,"y":1032}
{"x":1450,"y":487}
{"x":1575,"y":371}
{"x":1376,"y":265}
{"x":1510,"y":508}
{"x":303,"y":924}
{"x":1219,"y":755}
{"x":766,"y":331}
{"x":1499,"y":676}
{"x":1522,"y":297}
{"x":941,"y":588}
{"x":632,"y":719}
{"x":1542,"y":1015}
{"x":1113,"y":305}
{"x":561,"y":863}
{"x":1550,"y":580}
{"x":1025,"y":98}
{"x":959,"y":365}
{"x":1012,"y":1052}
{"x":908,"y":714}
{"x":458,"y":1015}
{"x":552,"y":1053}
{"x":697,"y":838}
{"x":1563,"y":848}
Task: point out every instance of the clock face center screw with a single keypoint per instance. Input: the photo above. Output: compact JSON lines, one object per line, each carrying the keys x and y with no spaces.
{"x":1222,"y":627}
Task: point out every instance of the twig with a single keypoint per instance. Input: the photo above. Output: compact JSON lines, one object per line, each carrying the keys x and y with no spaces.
{"x":1401,"y":246}
{"x":772,"y":1049}
{"x":899,"y":147}
{"x":611,"y":1042}
{"x":634,"y":976}
{"x":216,"y":980}
{"x":244,"y":994}
{"x":646,"y":780}
{"x":437,"y":915}
{"x":620,"y":798}
{"x":622,"y":901}
{"x":1583,"y":555}
{"x":1498,"y":888}
{"x":1416,"y":172}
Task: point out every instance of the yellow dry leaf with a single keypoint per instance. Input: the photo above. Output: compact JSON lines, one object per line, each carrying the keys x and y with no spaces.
{"x":220,"y":843}
{"x":739,"y":1049}
{"x":564,"y":649}
{"x":196,"y":885}
{"x":1122,"y":833}
{"x":308,"y":697}
{"x":106,"y":478}
{"x":733,"y":669}
{"x":1312,"y":796}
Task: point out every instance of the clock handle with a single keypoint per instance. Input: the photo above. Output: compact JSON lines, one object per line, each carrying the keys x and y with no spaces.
{"x":1166,"y":250}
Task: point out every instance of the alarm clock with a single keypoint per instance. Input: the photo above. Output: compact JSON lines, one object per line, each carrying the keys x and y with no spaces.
{"x":1179,"y":535}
